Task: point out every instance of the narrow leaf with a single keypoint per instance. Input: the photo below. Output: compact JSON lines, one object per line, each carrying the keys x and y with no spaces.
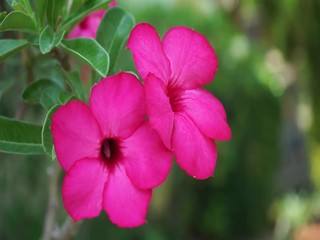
{"x":9,"y":47}
{"x":41,"y":8}
{"x":75,"y":5}
{"x":18,"y":21}
{"x":55,"y":9}
{"x":88,"y":7}
{"x":89,"y":52}
{"x":19,"y":137}
{"x":46,"y":136}
{"x":113,"y":32}
{"x":19,"y":7}
{"x":27,"y":7}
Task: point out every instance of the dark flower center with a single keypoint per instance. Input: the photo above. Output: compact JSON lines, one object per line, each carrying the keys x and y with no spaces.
{"x":175,"y":101}
{"x":110,"y":150}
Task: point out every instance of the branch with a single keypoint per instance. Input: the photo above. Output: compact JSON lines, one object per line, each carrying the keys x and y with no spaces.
{"x":68,"y":230}
{"x":53,"y":172}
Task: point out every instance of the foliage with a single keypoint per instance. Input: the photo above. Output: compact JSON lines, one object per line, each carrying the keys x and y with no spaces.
{"x":47,"y":26}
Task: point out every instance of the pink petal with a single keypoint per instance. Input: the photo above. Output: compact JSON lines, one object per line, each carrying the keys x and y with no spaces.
{"x":88,"y":26}
{"x":82,"y":189}
{"x":159,"y":109}
{"x":75,"y":32}
{"x":76,"y":133}
{"x":117,"y":102}
{"x":125,"y":204}
{"x":148,"y":56}
{"x":87,"y":33}
{"x":207,"y":113}
{"x":195,"y":153}
{"x":147,"y":160}
{"x":113,"y":4}
{"x":97,"y":15}
{"x":193,"y":60}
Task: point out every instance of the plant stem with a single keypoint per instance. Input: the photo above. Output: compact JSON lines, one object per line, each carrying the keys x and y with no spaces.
{"x":50,"y":221}
{"x":68,"y":230}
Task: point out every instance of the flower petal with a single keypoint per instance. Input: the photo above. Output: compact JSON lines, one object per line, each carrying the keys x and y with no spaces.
{"x":195,"y":153}
{"x":117,"y":102}
{"x":193,"y":60}
{"x":148,"y":56}
{"x":76,"y":133}
{"x":113,"y":4}
{"x":88,"y":26}
{"x":82,"y":189}
{"x":125,"y":204}
{"x":159,"y":109}
{"x":207,"y":113}
{"x":147,"y":160}
{"x":75,"y":32}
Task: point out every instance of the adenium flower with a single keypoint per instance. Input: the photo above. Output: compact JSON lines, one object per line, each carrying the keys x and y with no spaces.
{"x":187,"y":117}
{"x":111,"y":156}
{"x":88,"y":27}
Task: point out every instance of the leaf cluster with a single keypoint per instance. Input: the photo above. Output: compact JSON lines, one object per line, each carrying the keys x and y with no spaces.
{"x":53,"y":62}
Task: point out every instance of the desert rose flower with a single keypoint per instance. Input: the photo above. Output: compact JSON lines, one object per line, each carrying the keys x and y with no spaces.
{"x":111,"y":156}
{"x":88,"y":27}
{"x":187,"y":117}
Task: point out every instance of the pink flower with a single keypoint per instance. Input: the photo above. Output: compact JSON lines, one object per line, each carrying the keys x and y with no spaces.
{"x":88,"y":27}
{"x":113,"y":3}
{"x":111,"y":156}
{"x":186,"y":116}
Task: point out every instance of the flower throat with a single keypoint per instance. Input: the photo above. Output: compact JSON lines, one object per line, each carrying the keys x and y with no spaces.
{"x":109,"y":150}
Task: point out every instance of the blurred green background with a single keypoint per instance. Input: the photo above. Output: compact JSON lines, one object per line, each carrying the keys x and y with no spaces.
{"x":267,"y":179}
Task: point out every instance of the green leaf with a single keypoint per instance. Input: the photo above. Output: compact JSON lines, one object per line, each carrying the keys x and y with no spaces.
{"x":47,"y":67}
{"x":75,"y":5}
{"x":3,"y":15}
{"x":19,"y":7}
{"x":76,"y":85}
{"x":18,"y":21}
{"x":50,"y":97}
{"x":33,"y":92}
{"x":43,"y":91}
{"x":19,"y":137}
{"x":55,"y":9}
{"x":65,"y":97}
{"x":46,"y":136}
{"x":9,"y":47}
{"x":88,"y":7}
{"x":113,"y":32}
{"x":41,"y":8}
{"x":23,"y":6}
{"x":46,"y":39}
{"x":49,"y":39}
{"x":58,"y":37}
{"x":89,"y":52}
